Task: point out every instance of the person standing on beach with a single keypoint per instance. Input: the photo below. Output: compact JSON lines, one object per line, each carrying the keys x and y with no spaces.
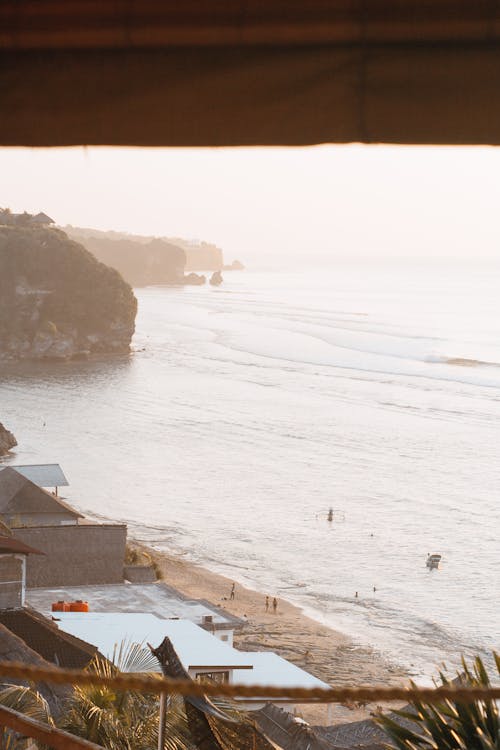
{"x":231,"y":595}
{"x":267,"y":604}
{"x":275,"y":605}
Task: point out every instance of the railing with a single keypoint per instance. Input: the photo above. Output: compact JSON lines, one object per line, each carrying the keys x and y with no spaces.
{"x":44,"y":733}
{"x":159,"y":685}
{"x":60,"y":740}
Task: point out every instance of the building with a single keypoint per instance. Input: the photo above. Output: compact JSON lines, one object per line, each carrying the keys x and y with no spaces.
{"x":76,"y":552}
{"x":271,"y":670}
{"x":41,"y":219}
{"x":13,"y":555}
{"x":44,"y":475}
{"x":201,"y":655}
{"x":25,"y":219}
{"x":25,"y":504}
{"x":158,"y":598}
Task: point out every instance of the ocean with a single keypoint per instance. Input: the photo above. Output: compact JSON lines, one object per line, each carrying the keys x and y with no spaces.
{"x":246,"y":412}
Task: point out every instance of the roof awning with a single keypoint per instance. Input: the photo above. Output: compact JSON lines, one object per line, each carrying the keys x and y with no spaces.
{"x":44,"y":475}
{"x":228,"y":72}
{"x":9,"y":546}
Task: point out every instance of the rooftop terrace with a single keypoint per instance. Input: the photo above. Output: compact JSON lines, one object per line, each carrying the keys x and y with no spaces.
{"x":157,"y":598}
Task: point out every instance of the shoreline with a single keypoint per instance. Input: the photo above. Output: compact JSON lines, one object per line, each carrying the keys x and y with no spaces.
{"x":324,"y":652}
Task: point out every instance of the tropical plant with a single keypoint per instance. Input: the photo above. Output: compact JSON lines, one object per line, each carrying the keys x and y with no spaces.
{"x":448,"y":725}
{"x":124,"y":719}
{"x":27,"y":701}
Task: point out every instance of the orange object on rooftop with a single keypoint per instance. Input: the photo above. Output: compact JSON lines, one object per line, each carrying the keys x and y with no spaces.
{"x":60,"y":606}
{"x":79,"y":606}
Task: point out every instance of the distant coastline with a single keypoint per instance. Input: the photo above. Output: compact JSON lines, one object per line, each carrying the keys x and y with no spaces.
{"x":144,"y":260}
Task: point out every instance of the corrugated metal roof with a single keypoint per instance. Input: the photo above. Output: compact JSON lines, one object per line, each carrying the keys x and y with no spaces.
{"x":44,"y":475}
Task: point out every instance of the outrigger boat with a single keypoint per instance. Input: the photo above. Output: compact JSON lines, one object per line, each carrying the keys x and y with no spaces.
{"x":433,"y":561}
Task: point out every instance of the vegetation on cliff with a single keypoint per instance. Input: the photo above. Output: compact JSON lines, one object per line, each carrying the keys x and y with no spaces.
{"x":57,"y":300}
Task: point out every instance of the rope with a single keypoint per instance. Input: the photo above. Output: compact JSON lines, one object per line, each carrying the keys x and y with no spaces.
{"x":158,"y":685}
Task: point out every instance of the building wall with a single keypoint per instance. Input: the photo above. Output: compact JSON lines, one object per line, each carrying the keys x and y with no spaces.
{"x":11,"y":582}
{"x":74,"y":555}
{"x":38,"y":519}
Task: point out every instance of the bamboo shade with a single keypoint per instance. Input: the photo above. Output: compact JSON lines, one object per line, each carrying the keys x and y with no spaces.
{"x":228,"y":72}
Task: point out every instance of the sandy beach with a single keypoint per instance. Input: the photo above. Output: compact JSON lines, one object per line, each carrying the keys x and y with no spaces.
{"x":329,"y":655}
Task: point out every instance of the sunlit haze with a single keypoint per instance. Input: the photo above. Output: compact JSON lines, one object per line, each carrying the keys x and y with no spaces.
{"x":265,"y":205}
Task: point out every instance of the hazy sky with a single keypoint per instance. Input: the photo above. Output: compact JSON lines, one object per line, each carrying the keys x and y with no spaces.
{"x":265,"y":204}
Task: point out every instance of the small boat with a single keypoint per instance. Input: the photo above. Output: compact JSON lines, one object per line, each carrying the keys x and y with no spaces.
{"x":433,"y":561}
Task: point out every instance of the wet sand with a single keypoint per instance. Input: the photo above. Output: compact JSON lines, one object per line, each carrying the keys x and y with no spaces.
{"x":329,"y":655}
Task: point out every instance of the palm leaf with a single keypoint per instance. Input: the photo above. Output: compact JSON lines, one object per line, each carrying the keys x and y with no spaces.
{"x":27,"y":701}
{"x":449,"y":725}
{"x":124,"y":720}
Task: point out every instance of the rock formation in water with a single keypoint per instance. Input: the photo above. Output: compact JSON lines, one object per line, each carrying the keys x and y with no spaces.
{"x":56,"y":300}
{"x":194,"y":279}
{"x":216,"y":278}
{"x":236,"y":265}
{"x":7,"y":440}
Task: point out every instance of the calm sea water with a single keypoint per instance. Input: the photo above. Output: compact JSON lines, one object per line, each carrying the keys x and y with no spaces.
{"x":246,"y":412}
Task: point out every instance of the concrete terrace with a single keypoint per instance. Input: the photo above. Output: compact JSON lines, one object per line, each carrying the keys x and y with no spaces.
{"x":156,"y":598}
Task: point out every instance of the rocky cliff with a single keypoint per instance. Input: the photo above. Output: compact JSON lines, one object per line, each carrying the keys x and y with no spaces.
{"x":56,"y":300}
{"x":7,"y":440}
{"x":140,"y":263}
{"x":150,"y":260}
{"x":201,"y":256}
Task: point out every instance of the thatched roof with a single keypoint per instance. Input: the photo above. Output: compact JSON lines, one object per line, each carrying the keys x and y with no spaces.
{"x":13,"y":648}
{"x":355,"y":734}
{"x":286,"y":731}
{"x":235,"y":72}
{"x":46,"y":639}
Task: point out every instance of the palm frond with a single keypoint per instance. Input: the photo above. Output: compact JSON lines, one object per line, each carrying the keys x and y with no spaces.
{"x":134,"y":657}
{"x":449,"y":725}
{"x":124,"y":720}
{"x":27,"y":701}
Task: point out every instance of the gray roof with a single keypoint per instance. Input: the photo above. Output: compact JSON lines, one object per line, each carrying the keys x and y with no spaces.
{"x":44,"y":475}
{"x":42,"y":218}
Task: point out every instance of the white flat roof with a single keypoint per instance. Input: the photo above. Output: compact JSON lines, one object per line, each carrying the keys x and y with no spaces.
{"x":44,"y":475}
{"x":195,"y":647}
{"x":271,"y":670}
